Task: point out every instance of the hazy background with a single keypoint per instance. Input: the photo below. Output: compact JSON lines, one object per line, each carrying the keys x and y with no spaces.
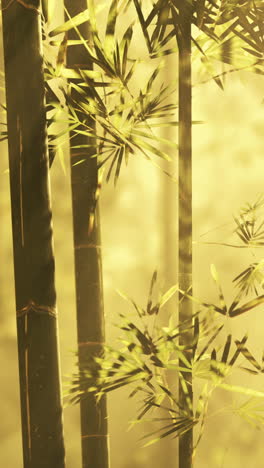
{"x":139,"y":235}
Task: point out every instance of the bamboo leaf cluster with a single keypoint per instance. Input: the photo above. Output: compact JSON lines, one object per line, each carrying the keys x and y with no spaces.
{"x":223,"y":30}
{"x":146,"y":353}
{"x":126,"y":114}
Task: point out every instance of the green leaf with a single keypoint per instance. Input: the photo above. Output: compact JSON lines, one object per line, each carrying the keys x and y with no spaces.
{"x":247,"y":306}
{"x":71,"y":23}
{"x":242,"y":390}
{"x":252,"y":410}
{"x":210,"y":341}
{"x":168,"y":294}
{"x":143,"y":24}
{"x":111,"y":20}
{"x":246,"y":353}
{"x":139,"y":310}
{"x":200,"y":10}
{"x":71,"y":73}
{"x":180,"y":426}
{"x":221,"y":295}
{"x":75,"y":21}
{"x":226,"y":349}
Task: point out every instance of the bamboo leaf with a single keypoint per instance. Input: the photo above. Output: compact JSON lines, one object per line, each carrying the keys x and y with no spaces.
{"x":252,"y":411}
{"x":242,"y":390}
{"x":167,"y":295}
{"x":110,"y":31}
{"x":179,"y":427}
{"x":210,"y":341}
{"x":75,"y":21}
{"x":143,"y":24}
{"x":200,"y":10}
{"x":226,"y":349}
{"x":221,"y":296}
{"x":243,"y":350}
{"x":238,"y":350}
{"x":61,"y":57}
{"x":247,"y":306}
{"x":71,"y":23}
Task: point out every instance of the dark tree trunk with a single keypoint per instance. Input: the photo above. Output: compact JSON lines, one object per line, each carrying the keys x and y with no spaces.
{"x":88,"y":270}
{"x":185,"y":212}
{"x":41,"y":408}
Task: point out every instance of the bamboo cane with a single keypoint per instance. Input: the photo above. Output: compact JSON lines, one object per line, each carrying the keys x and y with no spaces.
{"x":185,"y":212}
{"x":88,"y":270}
{"x":41,"y":410}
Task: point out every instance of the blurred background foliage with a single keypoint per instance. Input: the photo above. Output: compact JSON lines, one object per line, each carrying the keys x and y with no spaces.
{"x":139,"y":235}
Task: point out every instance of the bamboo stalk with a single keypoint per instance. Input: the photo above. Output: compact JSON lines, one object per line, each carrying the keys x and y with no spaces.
{"x":168,"y":252}
{"x":185,"y":211}
{"x":88,"y":269}
{"x":41,"y":410}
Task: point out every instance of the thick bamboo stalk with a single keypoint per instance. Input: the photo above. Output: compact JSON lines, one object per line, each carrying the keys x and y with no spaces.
{"x":41,"y":409}
{"x":185,"y":211}
{"x":88,"y":270}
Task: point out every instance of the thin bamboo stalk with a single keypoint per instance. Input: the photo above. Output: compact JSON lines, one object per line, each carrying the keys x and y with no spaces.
{"x":185,"y":211}
{"x":88,"y":269}
{"x":168,"y":252}
{"x":41,"y":410}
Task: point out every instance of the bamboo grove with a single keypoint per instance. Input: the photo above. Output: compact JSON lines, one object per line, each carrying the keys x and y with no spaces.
{"x":110,"y":116}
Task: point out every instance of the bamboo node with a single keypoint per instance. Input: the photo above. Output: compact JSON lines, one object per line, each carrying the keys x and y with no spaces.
{"x":87,"y":436}
{"x":23,"y":3}
{"x":37,"y":309}
{"x":90,"y":343}
{"x":87,"y":246}
{"x":28,"y":5}
{"x":8,"y":5}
